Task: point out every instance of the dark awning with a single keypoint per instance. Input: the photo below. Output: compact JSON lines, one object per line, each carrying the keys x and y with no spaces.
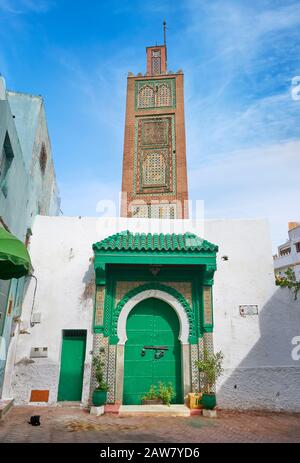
{"x":14,"y":258}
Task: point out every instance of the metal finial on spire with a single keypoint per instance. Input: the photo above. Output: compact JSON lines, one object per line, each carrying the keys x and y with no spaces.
{"x":165,"y":32}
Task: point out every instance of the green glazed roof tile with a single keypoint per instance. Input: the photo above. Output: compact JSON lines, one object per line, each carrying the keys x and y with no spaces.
{"x":127,"y":241}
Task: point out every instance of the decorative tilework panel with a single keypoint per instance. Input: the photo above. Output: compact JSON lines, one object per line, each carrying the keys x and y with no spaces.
{"x":100,"y":294}
{"x":155,"y":132}
{"x":183,"y":287}
{"x":111,"y":379}
{"x":156,"y":64}
{"x":123,"y":287}
{"x":146,"y":98}
{"x":155,"y":211}
{"x":156,"y":93}
{"x":194,"y":369}
{"x":209,"y":347}
{"x":155,"y":157}
{"x":201,"y":356}
{"x":154,"y":168}
{"x":207,"y":300}
{"x":201,"y":348}
{"x":208,"y":342}
{"x":100,"y":347}
{"x":164,"y":95}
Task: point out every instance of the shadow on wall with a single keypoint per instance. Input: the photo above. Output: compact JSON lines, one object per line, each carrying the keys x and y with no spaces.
{"x":268,"y":377}
{"x":89,"y":284}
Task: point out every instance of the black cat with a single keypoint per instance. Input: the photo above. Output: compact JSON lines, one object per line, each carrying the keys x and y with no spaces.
{"x":35,"y":420}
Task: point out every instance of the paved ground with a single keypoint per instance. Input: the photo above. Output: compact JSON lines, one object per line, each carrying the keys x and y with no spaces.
{"x":77,"y":425}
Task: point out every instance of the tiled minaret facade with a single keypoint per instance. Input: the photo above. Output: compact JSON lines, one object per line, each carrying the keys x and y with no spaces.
{"x":154,"y":182}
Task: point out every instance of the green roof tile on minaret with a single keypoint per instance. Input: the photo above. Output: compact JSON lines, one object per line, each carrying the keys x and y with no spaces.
{"x":128,"y":241}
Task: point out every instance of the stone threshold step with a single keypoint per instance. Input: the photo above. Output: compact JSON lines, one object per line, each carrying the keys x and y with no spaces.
{"x":5,"y":407}
{"x":154,"y":410}
{"x":70,"y":404}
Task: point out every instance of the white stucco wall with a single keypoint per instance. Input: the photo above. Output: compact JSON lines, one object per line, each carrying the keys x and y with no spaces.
{"x":259,"y":369}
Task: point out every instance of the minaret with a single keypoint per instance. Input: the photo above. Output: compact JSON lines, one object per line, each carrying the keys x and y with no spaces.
{"x":154,"y":179}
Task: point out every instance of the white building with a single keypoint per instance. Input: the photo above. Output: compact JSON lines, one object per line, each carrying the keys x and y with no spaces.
{"x":289,"y":253}
{"x":255,"y":322}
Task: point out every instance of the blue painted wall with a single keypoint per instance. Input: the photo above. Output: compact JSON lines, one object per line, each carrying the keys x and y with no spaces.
{"x":26,"y":190}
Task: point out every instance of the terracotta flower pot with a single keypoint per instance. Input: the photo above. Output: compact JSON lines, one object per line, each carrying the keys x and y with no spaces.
{"x":99,"y":398}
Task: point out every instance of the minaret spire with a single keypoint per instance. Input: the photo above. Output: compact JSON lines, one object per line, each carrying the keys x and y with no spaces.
{"x":165,"y":38}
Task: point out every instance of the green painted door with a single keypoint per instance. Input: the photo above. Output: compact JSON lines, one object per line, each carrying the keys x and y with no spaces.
{"x":72,"y":365}
{"x":152,"y":322}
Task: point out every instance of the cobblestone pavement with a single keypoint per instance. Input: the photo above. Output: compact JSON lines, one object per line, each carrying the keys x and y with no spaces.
{"x":77,"y":425}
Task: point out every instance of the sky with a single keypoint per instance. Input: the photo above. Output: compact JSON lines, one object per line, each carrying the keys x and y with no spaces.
{"x":242,"y":105}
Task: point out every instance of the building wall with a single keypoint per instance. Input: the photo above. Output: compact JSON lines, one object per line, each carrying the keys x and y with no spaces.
{"x":27,"y":192}
{"x":259,"y":369}
{"x":282,"y":263}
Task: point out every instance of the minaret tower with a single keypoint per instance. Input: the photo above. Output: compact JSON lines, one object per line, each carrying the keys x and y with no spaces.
{"x":154,"y":179}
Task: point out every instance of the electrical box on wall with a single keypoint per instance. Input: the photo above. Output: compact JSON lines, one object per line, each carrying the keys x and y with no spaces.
{"x":36,"y":317}
{"x":39,"y":352}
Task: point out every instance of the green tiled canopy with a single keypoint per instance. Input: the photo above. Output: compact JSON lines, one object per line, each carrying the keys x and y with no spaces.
{"x":127,"y":241}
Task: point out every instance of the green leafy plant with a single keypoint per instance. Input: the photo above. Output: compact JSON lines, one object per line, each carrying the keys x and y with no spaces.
{"x":99,"y":374}
{"x":289,"y":281}
{"x":164,"y":392}
{"x":211,"y":369}
{"x":152,"y":394}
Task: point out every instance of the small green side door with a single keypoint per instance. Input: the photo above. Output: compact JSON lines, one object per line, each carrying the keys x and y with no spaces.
{"x":72,"y":365}
{"x":152,"y":322}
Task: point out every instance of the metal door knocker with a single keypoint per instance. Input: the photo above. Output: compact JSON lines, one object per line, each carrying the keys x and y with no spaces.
{"x":159,"y":355}
{"x":159,"y":351}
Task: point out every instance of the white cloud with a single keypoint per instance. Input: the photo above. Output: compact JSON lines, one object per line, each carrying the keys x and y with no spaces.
{"x":25,"y":6}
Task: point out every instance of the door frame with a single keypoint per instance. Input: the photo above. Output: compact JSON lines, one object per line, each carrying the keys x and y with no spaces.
{"x":183,"y":338}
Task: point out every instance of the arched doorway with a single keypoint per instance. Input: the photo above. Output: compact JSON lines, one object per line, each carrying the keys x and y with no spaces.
{"x":151,"y":323}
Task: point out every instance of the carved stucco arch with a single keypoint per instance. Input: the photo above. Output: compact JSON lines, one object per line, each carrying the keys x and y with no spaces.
{"x":166,"y":293}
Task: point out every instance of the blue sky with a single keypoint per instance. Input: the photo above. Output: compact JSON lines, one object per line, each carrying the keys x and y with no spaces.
{"x":239,"y":58}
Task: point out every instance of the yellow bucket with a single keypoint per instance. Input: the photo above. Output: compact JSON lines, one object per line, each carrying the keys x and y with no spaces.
{"x":195,"y":400}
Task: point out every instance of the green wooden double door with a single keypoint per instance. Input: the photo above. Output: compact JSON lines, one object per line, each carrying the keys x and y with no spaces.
{"x":150,"y":325}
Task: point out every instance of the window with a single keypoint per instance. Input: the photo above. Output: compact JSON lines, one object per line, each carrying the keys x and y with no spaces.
{"x":154,"y":169}
{"x":285,"y":251}
{"x":155,"y":93}
{"x":5,"y":163}
{"x":146,"y":97}
{"x":43,"y":158}
{"x":156,"y":62}
{"x":164,"y":96}
{"x":297,"y":246}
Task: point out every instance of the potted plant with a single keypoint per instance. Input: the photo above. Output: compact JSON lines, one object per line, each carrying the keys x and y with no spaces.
{"x":210,"y":369}
{"x":151,"y":397}
{"x":158,"y":395}
{"x":100,"y":392}
{"x":166,"y":393}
